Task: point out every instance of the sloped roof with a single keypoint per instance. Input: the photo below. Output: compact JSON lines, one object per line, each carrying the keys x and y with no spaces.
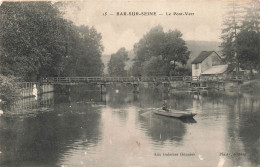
{"x":202,"y":56}
{"x":219,"y":69}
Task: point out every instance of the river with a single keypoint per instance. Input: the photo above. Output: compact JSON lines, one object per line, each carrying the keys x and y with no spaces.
{"x":83,"y":127}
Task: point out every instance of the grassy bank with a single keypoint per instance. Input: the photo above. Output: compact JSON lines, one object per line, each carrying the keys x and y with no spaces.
{"x":251,"y":87}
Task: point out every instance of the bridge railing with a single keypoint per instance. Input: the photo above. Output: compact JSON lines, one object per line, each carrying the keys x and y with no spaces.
{"x":90,"y":79}
{"x":211,"y":78}
{"x":142,"y":79}
{"x":160,"y":78}
{"x":122,"y":79}
{"x":237,"y":77}
{"x":25,"y":85}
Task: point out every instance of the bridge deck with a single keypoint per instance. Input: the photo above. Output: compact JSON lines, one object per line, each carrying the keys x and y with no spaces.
{"x":155,"y":79}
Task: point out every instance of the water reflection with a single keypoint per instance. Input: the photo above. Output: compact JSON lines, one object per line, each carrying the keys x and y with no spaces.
{"x":44,"y":138}
{"x":31,"y":106}
{"x":243,"y":126}
{"x":162,"y":129}
{"x":188,"y":120}
{"x":83,"y":127}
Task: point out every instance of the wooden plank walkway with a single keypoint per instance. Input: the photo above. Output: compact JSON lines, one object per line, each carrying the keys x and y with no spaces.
{"x":135,"y":80}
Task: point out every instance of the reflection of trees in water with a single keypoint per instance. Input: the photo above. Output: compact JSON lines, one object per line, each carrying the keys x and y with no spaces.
{"x":217,"y":97}
{"x":155,"y":97}
{"x":78,"y":93}
{"x":181,"y":101}
{"x":150,"y":98}
{"x":85,"y":93}
{"x":162,"y":129}
{"x":217,"y":102}
{"x":250,"y":103}
{"x":43,"y":139}
{"x":249,"y":135}
{"x":118,"y":97}
{"x":243,"y":125}
{"x":32,"y":105}
{"x":122,"y":115}
{"x":243,"y":122}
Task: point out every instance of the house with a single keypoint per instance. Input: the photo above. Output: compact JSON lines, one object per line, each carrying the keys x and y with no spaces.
{"x":208,"y":63}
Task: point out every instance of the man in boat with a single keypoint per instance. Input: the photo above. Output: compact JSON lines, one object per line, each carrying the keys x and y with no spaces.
{"x":165,"y":106}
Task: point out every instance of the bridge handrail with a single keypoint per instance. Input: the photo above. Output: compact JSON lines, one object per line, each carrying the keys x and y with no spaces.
{"x":143,"y":78}
{"x":120,"y":79}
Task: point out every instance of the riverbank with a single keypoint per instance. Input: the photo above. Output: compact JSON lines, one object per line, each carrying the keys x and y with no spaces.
{"x":251,"y":87}
{"x":9,"y":89}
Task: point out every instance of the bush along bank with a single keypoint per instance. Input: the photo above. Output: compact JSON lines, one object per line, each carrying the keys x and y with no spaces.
{"x":9,"y":91}
{"x":251,"y":87}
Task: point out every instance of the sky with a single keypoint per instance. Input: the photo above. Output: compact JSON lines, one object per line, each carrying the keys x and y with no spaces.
{"x":125,"y":31}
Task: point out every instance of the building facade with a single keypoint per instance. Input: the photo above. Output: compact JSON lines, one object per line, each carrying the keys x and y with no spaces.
{"x":208,"y":63}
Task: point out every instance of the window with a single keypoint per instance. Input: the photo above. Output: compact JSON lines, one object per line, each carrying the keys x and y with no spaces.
{"x":196,"y":66}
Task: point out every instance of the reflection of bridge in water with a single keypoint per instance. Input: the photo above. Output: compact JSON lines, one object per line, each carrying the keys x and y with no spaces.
{"x":31,"y":104}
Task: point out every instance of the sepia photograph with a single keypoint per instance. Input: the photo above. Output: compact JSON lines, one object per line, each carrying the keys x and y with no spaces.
{"x":130,"y":83}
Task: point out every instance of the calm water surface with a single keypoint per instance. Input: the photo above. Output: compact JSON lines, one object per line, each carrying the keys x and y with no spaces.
{"x":86,"y":128}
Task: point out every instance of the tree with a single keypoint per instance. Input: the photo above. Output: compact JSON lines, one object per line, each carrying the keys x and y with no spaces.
{"x":88,"y":62}
{"x":158,"y":53}
{"x":247,"y":39}
{"x":175,"y":51}
{"x":251,"y":20}
{"x":248,"y":42}
{"x":33,"y":38}
{"x":36,"y":41}
{"x":10,"y":89}
{"x":232,"y":23}
{"x":248,"y":50}
{"x":153,"y":67}
{"x":116,"y":64}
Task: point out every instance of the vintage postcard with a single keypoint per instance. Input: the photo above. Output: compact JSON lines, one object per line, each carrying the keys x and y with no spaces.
{"x":130,"y":83}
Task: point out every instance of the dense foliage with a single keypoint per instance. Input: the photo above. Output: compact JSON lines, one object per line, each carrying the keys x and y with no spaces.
{"x":36,"y":41}
{"x":248,"y":44}
{"x":84,"y":57}
{"x":159,"y":53}
{"x":116,"y":64}
{"x":231,"y":25}
{"x":9,"y":89}
{"x":240,"y":35}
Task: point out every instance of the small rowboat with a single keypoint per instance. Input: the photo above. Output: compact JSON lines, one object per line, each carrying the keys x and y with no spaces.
{"x":175,"y":113}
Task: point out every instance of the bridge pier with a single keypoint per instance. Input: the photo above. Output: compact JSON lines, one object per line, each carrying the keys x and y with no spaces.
{"x":136,"y":88}
{"x":166,"y":87}
{"x":135,"y":97}
{"x":103,"y":97}
{"x":39,"y":89}
{"x":103,"y":88}
{"x":68,"y":87}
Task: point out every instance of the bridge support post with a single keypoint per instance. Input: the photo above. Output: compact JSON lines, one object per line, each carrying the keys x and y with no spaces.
{"x":103,"y":88}
{"x":166,"y":87}
{"x":40,"y":91}
{"x":155,"y":85}
{"x":69,"y":90}
{"x":136,"y":88}
{"x":136,"y":97}
{"x":103,"y":93}
{"x":223,"y":86}
{"x":39,"y":88}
